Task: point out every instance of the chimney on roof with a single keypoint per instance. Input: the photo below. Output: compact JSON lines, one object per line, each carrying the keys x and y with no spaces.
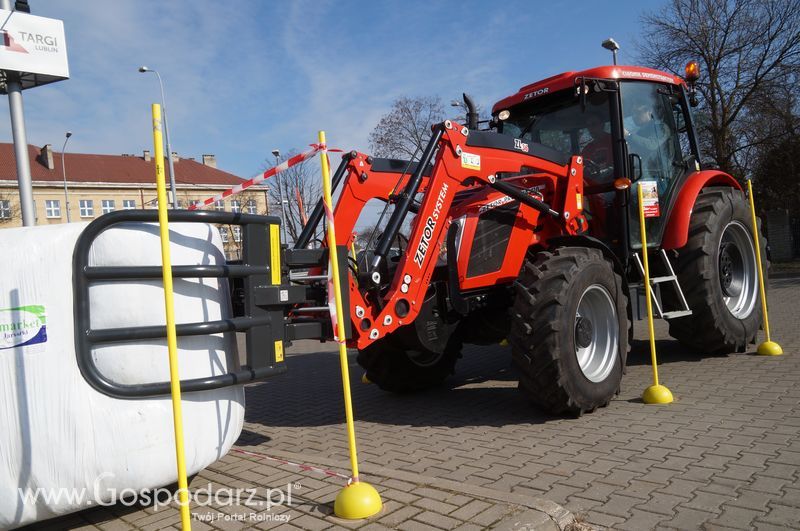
{"x":175,"y":156}
{"x":46,"y":156}
{"x":146,"y":155}
{"x":210,"y":161}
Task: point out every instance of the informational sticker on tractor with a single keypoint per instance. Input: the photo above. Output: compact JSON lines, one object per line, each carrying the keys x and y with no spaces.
{"x":579,"y":201}
{"x":279,"y":351}
{"x":470,"y":161}
{"x":650,"y":199}
{"x":23,"y":326}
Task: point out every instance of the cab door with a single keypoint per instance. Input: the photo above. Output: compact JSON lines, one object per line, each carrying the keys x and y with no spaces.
{"x":656,"y":130}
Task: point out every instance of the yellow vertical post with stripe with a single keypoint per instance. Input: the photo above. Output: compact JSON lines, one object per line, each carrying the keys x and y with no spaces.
{"x":656,"y":393}
{"x":768,"y":347}
{"x":172,"y":340}
{"x":358,"y":499}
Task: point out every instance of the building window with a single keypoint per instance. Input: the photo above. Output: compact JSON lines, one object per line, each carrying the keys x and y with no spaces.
{"x":237,"y":233}
{"x":219,"y":206}
{"x":87,"y":208}
{"x":223,"y":232}
{"x":108,"y":206}
{"x":251,"y":206}
{"x":128,"y":204}
{"x":53,"y":208}
{"x":180,"y":203}
{"x":236,"y":206}
{"x":5,"y":209}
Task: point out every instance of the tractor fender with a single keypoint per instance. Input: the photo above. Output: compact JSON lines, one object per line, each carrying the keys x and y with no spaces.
{"x":594,"y":243}
{"x":676,"y":233}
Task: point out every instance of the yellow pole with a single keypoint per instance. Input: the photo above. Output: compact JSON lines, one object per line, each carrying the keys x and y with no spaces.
{"x":656,"y":393}
{"x":172,"y":341}
{"x":768,"y":347}
{"x":358,"y":499}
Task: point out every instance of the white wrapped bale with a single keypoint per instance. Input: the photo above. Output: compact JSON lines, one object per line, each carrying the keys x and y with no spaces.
{"x":57,"y":433}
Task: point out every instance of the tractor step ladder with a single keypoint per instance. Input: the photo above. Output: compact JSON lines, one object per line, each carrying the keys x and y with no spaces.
{"x":673,"y":278}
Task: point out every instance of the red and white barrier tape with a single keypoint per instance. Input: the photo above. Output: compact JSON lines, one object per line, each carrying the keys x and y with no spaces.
{"x":306,"y":468}
{"x":283,"y":166}
{"x":331,"y":244}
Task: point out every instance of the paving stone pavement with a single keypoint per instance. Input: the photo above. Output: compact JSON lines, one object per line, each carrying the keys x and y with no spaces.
{"x":250,"y":492}
{"x":725,"y":454}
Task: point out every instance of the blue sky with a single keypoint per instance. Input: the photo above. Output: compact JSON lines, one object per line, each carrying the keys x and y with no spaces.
{"x":245,"y":77}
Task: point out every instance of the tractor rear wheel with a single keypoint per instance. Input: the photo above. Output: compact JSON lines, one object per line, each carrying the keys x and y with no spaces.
{"x":717,"y":269}
{"x":569,"y":332}
{"x":397,"y":368}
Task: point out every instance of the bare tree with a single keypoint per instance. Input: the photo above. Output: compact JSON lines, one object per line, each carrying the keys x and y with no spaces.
{"x":300,"y":186}
{"x":406,"y":128}
{"x":363,"y":236}
{"x":746,"y":49}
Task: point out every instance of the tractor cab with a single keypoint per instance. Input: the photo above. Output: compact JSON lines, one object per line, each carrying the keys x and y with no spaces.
{"x":628,"y":123}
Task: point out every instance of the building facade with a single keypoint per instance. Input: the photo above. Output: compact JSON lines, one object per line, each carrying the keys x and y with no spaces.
{"x":98,"y":184}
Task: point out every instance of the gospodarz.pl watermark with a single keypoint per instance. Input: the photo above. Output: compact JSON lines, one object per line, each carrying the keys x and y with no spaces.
{"x":260,"y":500}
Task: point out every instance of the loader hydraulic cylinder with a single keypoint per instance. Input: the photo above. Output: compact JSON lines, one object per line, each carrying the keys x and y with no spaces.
{"x":405,"y":199}
{"x":519,"y":195}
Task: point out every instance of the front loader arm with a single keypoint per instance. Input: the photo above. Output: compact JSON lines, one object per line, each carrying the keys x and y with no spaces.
{"x":384,"y":305}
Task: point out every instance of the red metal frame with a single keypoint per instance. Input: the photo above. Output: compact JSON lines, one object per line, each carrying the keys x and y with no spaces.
{"x":453,"y":172}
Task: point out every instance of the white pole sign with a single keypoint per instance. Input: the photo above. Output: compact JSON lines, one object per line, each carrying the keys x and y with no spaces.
{"x":33,"y":45}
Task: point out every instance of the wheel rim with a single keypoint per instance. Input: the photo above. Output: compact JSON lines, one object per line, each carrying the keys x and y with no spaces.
{"x":737,"y":270}
{"x":596,"y":333}
{"x":424,"y":358}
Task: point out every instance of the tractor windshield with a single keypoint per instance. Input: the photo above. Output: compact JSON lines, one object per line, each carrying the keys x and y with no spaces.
{"x":558,"y":122}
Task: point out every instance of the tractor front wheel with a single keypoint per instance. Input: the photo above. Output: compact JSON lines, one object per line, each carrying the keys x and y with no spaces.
{"x":397,"y":368}
{"x":718,"y":273}
{"x":569,"y":334}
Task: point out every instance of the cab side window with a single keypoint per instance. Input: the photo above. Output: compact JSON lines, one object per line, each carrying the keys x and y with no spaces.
{"x":656,"y":134}
{"x":655,"y":131}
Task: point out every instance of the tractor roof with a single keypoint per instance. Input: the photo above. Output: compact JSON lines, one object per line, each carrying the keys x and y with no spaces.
{"x":568,"y":80}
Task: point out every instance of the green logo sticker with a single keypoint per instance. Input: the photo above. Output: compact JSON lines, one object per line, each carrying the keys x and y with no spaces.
{"x":22,"y":326}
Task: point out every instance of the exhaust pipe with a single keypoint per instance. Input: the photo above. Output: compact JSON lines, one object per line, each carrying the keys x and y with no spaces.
{"x":472,"y":114}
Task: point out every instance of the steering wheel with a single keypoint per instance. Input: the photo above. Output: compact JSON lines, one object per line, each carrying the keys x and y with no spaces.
{"x":597,"y":172}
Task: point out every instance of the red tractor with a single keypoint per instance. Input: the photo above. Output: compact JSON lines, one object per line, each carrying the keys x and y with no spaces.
{"x":528,"y":231}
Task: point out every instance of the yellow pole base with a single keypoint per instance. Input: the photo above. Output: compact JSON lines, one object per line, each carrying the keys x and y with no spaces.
{"x":769,"y":348}
{"x":504,"y":343}
{"x":356,"y":501}
{"x":364,"y":379}
{"x":657,"y":394}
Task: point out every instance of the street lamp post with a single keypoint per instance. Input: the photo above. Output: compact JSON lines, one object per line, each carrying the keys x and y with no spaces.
{"x":277,"y":154}
{"x":64,"y":173}
{"x":611,"y":45}
{"x":144,"y":69}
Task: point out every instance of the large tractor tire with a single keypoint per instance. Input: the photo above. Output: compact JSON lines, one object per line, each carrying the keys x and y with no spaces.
{"x":397,"y":368}
{"x":569,"y":334}
{"x":717,"y":269}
